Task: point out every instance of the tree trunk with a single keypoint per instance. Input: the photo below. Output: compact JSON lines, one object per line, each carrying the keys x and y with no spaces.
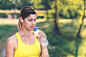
{"x":79,"y":31}
{"x":56,"y":30}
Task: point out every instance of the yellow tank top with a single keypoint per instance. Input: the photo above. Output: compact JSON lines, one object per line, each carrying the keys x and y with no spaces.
{"x":23,"y":50}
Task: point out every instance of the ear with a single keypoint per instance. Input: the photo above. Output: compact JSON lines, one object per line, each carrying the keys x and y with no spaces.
{"x":21,"y":20}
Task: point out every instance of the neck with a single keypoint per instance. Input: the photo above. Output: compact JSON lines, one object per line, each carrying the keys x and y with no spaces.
{"x":25,"y":32}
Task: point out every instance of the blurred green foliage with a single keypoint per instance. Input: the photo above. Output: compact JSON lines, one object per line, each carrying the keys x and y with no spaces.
{"x":6,"y":31}
{"x":66,"y":8}
{"x":3,"y":15}
{"x":65,"y":45}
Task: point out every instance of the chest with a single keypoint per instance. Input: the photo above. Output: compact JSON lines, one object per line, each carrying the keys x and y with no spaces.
{"x":23,"y":50}
{"x":30,"y":40}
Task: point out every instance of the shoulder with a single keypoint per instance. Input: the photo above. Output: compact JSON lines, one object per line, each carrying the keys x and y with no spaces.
{"x":10,"y":46}
{"x":11,"y":41}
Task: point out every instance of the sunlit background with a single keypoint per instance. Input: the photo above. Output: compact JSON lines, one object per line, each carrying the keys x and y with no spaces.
{"x":63,"y":21}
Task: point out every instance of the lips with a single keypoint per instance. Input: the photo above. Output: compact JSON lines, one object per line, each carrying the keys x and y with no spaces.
{"x":32,"y":26}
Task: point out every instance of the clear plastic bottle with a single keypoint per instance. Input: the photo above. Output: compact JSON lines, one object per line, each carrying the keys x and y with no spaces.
{"x":44,"y":42}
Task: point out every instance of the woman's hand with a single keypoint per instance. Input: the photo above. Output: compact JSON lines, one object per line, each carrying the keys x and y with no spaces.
{"x":41,"y":33}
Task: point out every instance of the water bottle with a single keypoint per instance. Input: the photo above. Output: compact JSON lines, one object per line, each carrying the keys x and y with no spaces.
{"x":44,"y":42}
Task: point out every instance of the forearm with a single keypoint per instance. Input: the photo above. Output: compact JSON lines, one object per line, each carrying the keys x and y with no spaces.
{"x":44,"y":52}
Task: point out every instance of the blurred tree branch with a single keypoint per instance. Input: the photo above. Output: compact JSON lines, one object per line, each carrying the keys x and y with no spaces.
{"x":79,"y":30}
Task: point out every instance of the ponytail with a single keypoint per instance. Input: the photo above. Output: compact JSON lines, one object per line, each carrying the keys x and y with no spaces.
{"x":19,"y":25}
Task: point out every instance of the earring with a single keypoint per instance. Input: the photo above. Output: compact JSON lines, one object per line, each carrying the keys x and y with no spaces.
{"x":22,"y":21}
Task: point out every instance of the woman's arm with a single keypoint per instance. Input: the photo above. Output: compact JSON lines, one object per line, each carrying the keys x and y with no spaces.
{"x":44,"y":52}
{"x":9,"y":48}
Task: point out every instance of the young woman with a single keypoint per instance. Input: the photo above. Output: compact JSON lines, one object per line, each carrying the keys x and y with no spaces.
{"x":25,"y":43}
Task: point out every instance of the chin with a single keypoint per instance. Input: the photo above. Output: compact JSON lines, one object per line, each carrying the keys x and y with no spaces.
{"x":31,"y":29}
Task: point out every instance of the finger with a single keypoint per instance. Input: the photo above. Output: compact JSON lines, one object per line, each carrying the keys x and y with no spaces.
{"x":44,"y":35}
{"x":41,"y":32}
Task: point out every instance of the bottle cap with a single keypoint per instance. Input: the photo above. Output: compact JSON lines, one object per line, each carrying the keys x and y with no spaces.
{"x":35,"y":28}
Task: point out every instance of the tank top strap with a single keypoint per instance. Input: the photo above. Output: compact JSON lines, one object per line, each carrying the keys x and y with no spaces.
{"x":18,"y":37}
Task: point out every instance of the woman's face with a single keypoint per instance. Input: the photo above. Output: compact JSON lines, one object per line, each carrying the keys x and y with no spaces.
{"x":30,"y":22}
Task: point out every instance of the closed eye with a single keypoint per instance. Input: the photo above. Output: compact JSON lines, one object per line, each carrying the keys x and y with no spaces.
{"x":30,"y":20}
{"x":35,"y":20}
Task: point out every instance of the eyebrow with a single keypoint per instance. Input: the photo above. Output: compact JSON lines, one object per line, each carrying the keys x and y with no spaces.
{"x":30,"y":18}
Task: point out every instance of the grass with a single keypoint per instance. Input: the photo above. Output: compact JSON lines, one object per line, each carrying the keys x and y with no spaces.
{"x":59,"y":46}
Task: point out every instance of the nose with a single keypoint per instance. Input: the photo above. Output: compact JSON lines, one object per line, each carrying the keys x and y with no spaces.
{"x":33,"y":22}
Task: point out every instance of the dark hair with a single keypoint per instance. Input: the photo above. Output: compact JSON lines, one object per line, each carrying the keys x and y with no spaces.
{"x":25,"y":12}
